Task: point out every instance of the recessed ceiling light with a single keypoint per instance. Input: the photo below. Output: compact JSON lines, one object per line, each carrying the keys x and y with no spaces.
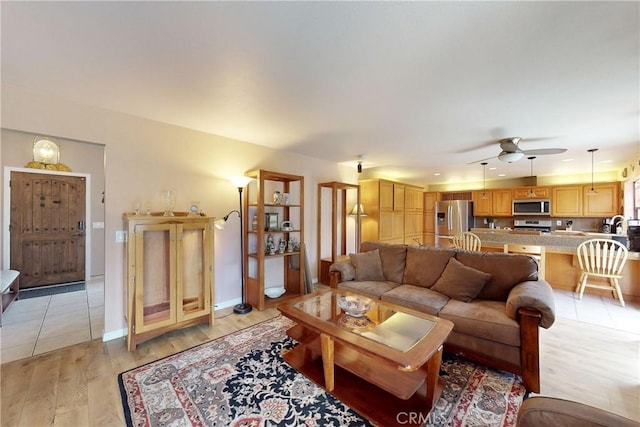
{"x":436,"y":174}
{"x":567,"y":160}
{"x":502,"y":174}
{"x":493,"y":168}
{"x":607,"y":161}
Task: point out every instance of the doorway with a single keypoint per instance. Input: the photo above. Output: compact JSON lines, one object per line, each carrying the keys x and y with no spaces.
{"x":47,"y":228}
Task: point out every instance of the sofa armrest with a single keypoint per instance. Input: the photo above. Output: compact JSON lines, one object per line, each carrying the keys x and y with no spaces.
{"x":536,"y":295}
{"x":547,"y":412}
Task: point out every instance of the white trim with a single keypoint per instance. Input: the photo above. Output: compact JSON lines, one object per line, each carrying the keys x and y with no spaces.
{"x":114,"y":335}
{"x":227,"y":304}
{"x":6,"y":214}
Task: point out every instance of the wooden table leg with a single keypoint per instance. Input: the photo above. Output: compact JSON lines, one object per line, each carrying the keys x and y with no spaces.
{"x":327,"y":361}
{"x":433,"y":374}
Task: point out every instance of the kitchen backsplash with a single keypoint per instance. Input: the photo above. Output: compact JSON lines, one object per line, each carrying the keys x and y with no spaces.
{"x":579,"y":224}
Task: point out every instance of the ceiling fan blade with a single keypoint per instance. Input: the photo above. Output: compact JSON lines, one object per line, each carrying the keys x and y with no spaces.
{"x":483,"y":160}
{"x":543,"y":151}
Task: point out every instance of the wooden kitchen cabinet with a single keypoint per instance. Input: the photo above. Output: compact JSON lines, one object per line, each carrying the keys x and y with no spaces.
{"x":429,"y":217}
{"x":482,"y":205}
{"x":606,"y":201}
{"x":169,"y":274}
{"x":413,"y":215}
{"x":566,"y":201}
{"x":525,"y":193}
{"x":501,"y":202}
{"x":384,"y":203}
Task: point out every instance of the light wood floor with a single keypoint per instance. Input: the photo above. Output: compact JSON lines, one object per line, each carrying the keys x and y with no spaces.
{"x":77,"y":386}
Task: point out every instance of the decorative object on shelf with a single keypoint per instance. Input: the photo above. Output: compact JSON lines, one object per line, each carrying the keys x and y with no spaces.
{"x":240,"y":182}
{"x":592,"y":191}
{"x":286,"y":226}
{"x":46,"y":155}
{"x":355,"y":306}
{"x":254,"y":223}
{"x":277,"y":197}
{"x":270,"y":222}
{"x":270,"y":247}
{"x":281,"y":245}
{"x":291,"y":244}
{"x":274,"y":292}
{"x":168,"y":202}
{"x":147,"y":208}
{"x":569,"y":224}
{"x":286,"y":198}
{"x":194,"y":209}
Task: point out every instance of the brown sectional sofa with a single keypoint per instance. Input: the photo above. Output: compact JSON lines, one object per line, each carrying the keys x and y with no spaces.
{"x":496,"y":301}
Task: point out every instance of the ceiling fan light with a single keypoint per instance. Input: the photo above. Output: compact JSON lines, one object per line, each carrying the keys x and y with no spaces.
{"x":592,"y":192}
{"x":508,"y":157}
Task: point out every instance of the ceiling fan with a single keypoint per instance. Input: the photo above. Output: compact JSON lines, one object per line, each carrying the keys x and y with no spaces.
{"x":511,"y":151}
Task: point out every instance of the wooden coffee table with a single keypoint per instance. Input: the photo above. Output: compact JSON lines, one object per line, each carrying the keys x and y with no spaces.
{"x":397,"y":349}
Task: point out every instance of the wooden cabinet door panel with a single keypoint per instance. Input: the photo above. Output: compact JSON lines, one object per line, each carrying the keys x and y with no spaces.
{"x":386,"y":196}
{"x":606,"y":201}
{"x":482,"y":203}
{"x":566,"y":201}
{"x":501,"y":202}
{"x":193,"y":265}
{"x":398,"y":197}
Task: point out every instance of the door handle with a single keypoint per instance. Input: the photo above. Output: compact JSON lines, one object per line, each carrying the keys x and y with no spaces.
{"x":80,"y":225}
{"x":81,"y":234}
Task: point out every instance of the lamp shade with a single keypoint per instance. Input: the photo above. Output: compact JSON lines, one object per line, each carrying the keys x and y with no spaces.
{"x":354,"y":210}
{"x":219,"y":223}
{"x":240,"y":181}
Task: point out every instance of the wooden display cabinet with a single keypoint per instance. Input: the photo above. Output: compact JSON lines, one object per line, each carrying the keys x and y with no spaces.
{"x":169,"y":274}
{"x":266,"y":195}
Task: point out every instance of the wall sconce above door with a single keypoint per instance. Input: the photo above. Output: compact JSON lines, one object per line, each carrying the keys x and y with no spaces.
{"x":46,"y":150}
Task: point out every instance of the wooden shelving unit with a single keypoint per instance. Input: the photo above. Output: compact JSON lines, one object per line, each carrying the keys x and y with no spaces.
{"x":340,"y":209}
{"x":280,"y":269}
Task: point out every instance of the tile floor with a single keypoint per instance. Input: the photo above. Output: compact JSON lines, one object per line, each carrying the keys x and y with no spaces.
{"x":38,"y":325}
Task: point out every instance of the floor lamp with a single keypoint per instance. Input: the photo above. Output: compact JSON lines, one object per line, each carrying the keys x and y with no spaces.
{"x":240,"y":182}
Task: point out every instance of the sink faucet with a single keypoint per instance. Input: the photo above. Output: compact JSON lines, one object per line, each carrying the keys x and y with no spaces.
{"x":624,"y":224}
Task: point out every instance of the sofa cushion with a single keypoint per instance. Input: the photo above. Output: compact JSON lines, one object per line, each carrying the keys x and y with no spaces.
{"x":393,"y":258}
{"x":482,"y":319}
{"x":507,"y":270}
{"x":370,"y":289}
{"x":368,"y":265}
{"x":425,"y":265}
{"x":416,"y":297}
{"x":460,"y":282}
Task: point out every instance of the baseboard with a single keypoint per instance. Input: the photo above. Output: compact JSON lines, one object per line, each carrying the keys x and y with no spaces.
{"x":108,"y":336}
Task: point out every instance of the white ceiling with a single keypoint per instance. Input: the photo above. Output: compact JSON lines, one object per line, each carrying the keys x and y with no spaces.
{"x":419,"y":87}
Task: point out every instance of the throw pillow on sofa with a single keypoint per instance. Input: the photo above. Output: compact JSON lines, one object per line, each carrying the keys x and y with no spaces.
{"x":460,"y":282}
{"x":368,"y":266}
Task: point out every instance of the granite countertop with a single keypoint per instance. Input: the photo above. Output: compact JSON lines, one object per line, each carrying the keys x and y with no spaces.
{"x":561,"y":242}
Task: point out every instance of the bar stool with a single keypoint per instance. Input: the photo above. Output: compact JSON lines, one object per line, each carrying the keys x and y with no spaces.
{"x":601,"y":258}
{"x":467,"y":240}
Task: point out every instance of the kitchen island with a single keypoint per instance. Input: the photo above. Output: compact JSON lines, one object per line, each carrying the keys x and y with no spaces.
{"x":562,"y":267}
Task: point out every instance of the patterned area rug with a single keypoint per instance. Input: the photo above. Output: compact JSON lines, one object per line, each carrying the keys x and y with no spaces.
{"x":241,"y":380}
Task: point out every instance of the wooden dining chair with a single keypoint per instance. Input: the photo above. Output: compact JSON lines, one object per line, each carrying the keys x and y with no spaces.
{"x":603,"y":258}
{"x":467,"y":240}
{"x":534,"y":251}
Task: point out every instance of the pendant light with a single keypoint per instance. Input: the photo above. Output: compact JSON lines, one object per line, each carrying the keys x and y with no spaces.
{"x":531,"y":193}
{"x":484,"y":181}
{"x":592,"y":191}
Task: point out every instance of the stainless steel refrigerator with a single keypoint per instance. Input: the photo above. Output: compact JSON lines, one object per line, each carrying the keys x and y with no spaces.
{"x":452,"y":217}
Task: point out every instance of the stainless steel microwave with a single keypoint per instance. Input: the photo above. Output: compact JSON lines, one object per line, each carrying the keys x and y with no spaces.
{"x":541,"y":207}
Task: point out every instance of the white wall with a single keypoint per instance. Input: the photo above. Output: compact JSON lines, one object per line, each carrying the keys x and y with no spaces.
{"x":143,"y":157}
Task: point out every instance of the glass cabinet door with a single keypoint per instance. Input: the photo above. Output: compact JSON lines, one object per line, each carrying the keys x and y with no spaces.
{"x":194,"y":270}
{"x":155,"y":276}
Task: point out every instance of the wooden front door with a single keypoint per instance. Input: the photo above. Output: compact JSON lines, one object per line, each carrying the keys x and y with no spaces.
{"x":47,"y":228}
